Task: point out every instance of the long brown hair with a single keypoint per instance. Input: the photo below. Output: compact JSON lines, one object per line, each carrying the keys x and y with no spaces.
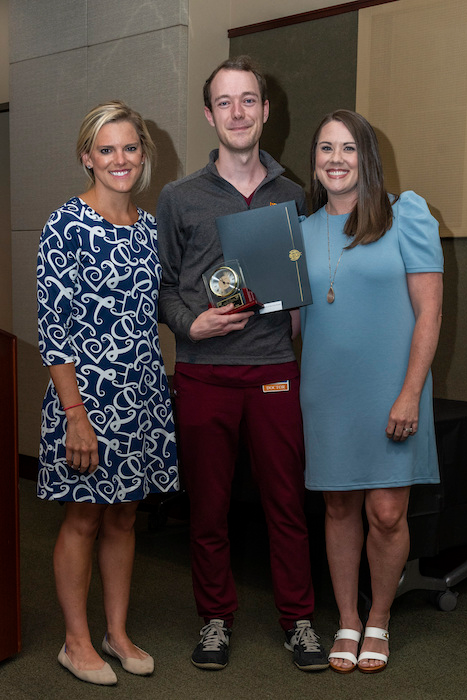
{"x":371,"y":216}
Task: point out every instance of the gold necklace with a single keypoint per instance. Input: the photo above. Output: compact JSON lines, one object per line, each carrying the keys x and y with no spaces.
{"x":330,"y":295}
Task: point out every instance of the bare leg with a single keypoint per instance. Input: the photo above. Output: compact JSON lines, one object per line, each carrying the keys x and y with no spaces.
{"x":116,"y":555}
{"x":387,"y":548}
{"x":344,"y":542}
{"x":72,"y":566}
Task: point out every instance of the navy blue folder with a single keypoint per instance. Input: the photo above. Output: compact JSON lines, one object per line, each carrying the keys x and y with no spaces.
{"x":268,"y":243}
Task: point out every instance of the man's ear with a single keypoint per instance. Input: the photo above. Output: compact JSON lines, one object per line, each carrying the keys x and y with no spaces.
{"x":265,"y":111}
{"x":208,"y":115}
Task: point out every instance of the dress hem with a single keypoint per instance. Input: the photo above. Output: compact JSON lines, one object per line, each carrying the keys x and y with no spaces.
{"x":52,"y":498}
{"x":365,"y":487}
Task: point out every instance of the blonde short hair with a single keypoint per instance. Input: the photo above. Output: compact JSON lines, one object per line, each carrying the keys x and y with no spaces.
{"x":115,"y":111}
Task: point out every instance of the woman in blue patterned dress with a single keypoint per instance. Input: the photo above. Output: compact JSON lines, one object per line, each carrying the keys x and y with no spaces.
{"x":107,"y":434}
{"x":375,"y":265}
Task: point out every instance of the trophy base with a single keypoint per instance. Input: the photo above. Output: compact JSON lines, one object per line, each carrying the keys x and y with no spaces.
{"x":246,"y":301}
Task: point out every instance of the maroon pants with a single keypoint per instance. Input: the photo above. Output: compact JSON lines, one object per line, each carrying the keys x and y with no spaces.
{"x":212,"y":404}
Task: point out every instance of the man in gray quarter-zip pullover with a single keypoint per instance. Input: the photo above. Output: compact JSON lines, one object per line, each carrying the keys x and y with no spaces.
{"x":235,"y":374}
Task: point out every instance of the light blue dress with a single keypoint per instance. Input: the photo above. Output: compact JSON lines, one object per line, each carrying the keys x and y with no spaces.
{"x":355,"y":353}
{"x":98,"y":289}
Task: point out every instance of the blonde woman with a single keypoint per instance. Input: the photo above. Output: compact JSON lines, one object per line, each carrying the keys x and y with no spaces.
{"x":107,"y":437}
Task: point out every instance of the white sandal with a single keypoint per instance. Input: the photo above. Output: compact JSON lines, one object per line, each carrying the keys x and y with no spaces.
{"x":347,"y":655}
{"x":375,"y":633}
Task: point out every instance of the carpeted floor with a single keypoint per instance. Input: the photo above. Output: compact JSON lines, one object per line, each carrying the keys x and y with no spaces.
{"x":428,"y":649}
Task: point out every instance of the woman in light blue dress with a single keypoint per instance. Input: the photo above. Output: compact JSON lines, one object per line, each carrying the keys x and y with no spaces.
{"x":107,"y":433}
{"x":369,"y":338}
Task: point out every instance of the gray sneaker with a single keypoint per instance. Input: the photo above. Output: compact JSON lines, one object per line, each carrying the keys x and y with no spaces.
{"x":212,"y":653}
{"x":308,"y":654}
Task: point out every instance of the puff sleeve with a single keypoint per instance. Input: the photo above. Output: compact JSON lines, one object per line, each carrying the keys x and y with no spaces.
{"x":418,"y":233}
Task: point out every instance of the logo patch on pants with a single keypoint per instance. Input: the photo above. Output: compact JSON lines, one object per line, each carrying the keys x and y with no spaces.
{"x":276,"y":387}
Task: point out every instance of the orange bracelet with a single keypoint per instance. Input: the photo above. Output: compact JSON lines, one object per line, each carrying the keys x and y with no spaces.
{"x":74,"y":406}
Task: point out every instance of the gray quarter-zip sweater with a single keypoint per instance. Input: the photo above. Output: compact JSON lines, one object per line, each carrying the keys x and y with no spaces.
{"x":189,"y":245}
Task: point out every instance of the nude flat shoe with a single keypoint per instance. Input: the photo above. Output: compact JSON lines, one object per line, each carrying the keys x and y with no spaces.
{"x":100,"y":676}
{"x":375,"y":633}
{"x":347,"y":655}
{"x":140,"y":667}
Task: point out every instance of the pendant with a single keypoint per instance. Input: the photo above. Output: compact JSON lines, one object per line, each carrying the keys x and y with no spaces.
{"x":330,"y":296}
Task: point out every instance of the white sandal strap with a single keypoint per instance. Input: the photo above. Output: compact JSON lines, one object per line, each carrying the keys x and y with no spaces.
{"x":343,"y":655}
{"x":373,"y":655}
{"x":347,"y":634}
{"x":377,"y":633}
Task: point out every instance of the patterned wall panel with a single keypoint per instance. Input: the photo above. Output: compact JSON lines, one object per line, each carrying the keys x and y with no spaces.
{"x":46,"y":107}
{"x":66,"y":56}
{"x":150,"y":73}
{"x":45,"y":27}
{"x":109,"y":20}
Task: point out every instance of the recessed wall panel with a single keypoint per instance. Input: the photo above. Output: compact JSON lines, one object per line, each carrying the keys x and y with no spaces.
{"x":310,"y":69}
{"x":24,"y":264}
{"x":32,"y":376}
{"x":6,"y":314}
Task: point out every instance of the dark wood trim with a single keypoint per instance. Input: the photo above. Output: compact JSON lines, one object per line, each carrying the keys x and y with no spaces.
{"x":304,"y":17}
{"x":10,"y":613}
{"x":4,"y":106}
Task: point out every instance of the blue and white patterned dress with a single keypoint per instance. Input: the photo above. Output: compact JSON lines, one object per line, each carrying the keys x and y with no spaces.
{"x":98,"y":288}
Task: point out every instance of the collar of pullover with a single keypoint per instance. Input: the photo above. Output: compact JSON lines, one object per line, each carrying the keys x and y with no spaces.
{"x":274,"y":169}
